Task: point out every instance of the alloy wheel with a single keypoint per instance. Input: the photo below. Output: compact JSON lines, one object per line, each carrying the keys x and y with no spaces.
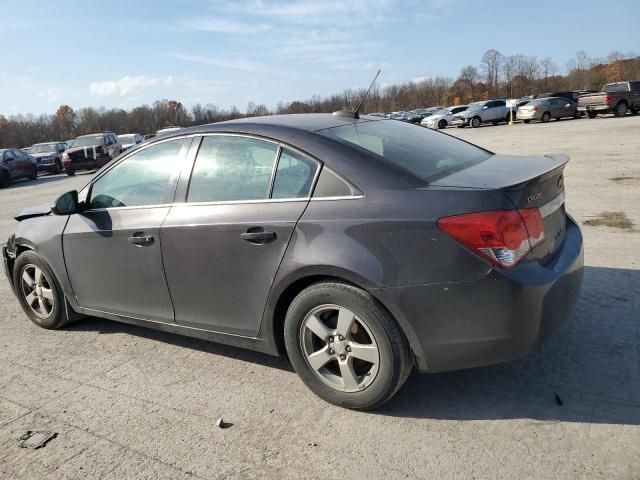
{"x":37,"y":291}
{"x":339,"y":348}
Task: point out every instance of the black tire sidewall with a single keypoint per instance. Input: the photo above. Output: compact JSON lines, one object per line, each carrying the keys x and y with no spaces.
{"x":57,"y":317}
{"x":390,"y":340}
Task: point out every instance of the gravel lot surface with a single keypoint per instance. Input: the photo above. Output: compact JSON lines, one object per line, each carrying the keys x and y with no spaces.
{"x":130,"y":403}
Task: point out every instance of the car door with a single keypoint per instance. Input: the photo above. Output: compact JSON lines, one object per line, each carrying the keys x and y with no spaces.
{"x":223,"y":245}
{"x":25,"y":163}
{"x":634,"y":94}
{"x":16,"y":167}
{"x":112,"y":249}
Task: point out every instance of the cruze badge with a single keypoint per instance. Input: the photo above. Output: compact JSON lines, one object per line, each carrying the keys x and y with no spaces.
{"x":533,"y":197}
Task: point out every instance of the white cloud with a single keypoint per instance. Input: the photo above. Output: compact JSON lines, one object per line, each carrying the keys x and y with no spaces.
{"x":221,"y":25}
{"x":323,"y":11}
{"x":51,"y":95}
{"x":232,"y":63}
{"x":127,"y":85}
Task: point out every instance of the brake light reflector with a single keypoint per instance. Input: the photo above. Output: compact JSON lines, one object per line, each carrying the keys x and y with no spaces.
{"x":504,"y":237}
{"x":608,"y":99}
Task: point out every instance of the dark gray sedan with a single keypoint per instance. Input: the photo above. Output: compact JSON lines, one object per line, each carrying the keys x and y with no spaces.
{"x":362,"y":248}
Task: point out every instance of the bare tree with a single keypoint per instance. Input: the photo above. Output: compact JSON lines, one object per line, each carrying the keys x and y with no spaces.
{"x":549,"y":69}
{"x":491,"y":62}
{"x":469,"y":75}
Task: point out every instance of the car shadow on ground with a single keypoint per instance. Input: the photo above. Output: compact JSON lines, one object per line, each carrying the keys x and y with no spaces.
{"x":588,"y":371}
{"x":30,"y":183}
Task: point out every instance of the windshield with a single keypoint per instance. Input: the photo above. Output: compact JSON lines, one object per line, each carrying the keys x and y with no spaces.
{"x":126,"y":138}
{"x":43,"y":148}
{"x":88,"y":141}
{"x":616,"y":87}
{"x":422,"y":152}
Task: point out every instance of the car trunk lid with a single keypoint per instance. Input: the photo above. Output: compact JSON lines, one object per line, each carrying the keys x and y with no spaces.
{"x":528,"y":182}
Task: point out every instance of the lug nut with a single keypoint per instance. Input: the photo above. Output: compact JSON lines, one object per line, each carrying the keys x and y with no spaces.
{"x":330,"y":339}
{"x":348,"y":349}
{"x":342,"y":357}
{"x":331,"y":351}
{"x":341,"y":337}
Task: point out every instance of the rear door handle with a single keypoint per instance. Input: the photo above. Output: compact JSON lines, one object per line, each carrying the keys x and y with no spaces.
{"x":258,"y":236}
{"x":139,"y":239}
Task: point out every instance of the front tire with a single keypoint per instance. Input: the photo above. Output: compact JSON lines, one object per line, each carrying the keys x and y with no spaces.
{"x":38,"y":291}
{"x":34,"y":174}
{"x":5,"y":179}
{"x":70,"y":171}
{"x":345,"y":346}
{"x":475,"y":122}
{"x":442,"y":124}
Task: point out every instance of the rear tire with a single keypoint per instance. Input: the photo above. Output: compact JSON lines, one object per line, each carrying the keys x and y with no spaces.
{"x":621,"y":109}
{"x":38,"y":291}
{"x":475,"y":122}
{"x":70,"y":171}
{"x":592,"y":114}
{"x":34,"y":174}
{"x":334,"y":327}
{"x":546,"y":116}
{"x":527,"y":121}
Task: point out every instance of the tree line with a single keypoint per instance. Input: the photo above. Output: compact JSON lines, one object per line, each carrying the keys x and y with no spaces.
{"x":496,"y":75}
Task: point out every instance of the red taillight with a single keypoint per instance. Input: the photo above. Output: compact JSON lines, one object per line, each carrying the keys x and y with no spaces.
{"x":535,"y":109}
{"x":608,"y":99}
{"x":504,"y":237}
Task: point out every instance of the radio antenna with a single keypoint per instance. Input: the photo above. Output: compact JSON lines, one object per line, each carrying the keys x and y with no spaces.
{"x":355,"y":114}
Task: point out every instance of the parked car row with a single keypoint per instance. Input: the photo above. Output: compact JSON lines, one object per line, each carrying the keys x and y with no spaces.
{"x":86,"y":152}
{"x":618,"y":98}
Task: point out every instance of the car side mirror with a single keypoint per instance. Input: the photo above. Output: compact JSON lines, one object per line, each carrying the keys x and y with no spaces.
{"x":66,"y":204}
{"x":568,"y":105}
{"x":485,"y":107}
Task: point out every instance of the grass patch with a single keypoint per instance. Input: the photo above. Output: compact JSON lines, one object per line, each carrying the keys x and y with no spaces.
{"x":610,"y":219}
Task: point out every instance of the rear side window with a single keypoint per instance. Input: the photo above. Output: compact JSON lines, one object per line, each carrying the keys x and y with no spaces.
{"x":330,"y":185}
{"x":425,"y":153}
{"x":616,"y":87}
{"x":499,"y":103}
{"x":294,"y":176}
{"x":230,"y":168}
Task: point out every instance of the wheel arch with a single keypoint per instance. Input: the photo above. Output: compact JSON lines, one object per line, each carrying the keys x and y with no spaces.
{"x":280,"y":299}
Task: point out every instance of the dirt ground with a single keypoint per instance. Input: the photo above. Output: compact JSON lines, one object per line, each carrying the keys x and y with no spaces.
{"x":130,"y":403}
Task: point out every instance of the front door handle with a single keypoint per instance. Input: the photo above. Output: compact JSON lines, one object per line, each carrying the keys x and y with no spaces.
{"x":139,"y":239}
{"x":258,"y":236}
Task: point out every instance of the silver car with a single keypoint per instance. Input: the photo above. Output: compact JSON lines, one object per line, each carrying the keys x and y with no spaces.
{"x":489,"y":111}
{"x":544,"y":109}
{"x":442,"y":118}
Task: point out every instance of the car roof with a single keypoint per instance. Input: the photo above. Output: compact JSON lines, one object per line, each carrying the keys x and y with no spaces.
{"x":305,"y":122}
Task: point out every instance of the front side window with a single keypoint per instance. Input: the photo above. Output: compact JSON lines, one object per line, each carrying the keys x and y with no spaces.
{"x":140,"y":179}
{"x":294,"y":176}
{"x":230,"y":168}
{"x":424,"y":153}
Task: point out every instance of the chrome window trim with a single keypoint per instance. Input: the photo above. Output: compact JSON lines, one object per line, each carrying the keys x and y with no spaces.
{"x":552,"y":205}
{"x":281,"y":146}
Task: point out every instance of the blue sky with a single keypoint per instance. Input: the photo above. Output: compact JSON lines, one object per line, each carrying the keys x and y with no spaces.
{"x":126,"y":53}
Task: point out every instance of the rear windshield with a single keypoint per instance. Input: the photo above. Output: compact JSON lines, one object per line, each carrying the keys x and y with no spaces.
{"x":616,"y":87}
{"x":425,"y":153}
{"x":88,"y":141}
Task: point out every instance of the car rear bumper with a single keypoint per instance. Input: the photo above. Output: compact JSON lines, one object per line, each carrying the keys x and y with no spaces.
{"x":525,"y":115}
{"x":593,"y":108}
{"x":495,"y":319}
